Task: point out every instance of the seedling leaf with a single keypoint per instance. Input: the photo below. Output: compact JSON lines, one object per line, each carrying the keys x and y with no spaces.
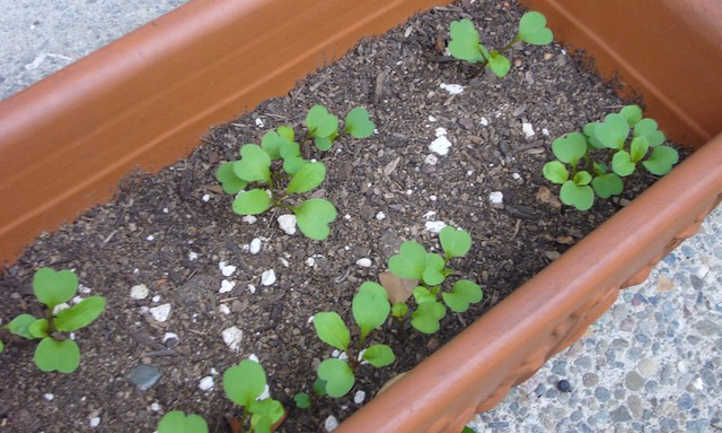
{"x":53,"y":288}
{"x":227,"y":177}
{"x":21,"y":324}
{"x":399,"y":289}
{"x":555,"y":172}
{"x":243,"y":383}
{"x":638,"y":148}
{"x":533,"y":29}
{"x":313,"y":217}
{"x":622,"y":163}
{"x":177,"y":422}
{"x":455,"y":242}
{"x":570,"y":148}
{"x":271,"y":144}
{"x":632,"y":113}
{"x":331,"y":329}
{"x":320,"y":122}
{"x":581,"y":197}
{"x":582,"y":178}
{"x":254,"y":165}
{"x":661,"y":160}
{"x":39,"y":328}
{"x":464,"y":43}
{"x":612,"y":133}
{"x":379,"y":355}
{"x":51,"y":355}
{"x":607,"y":185}
{"x":422,"y":295}
{"x":251,"y":202}
{"x":319,"y":387}
{"x":426,"y":317}
{"x":410,"y":262}
{"x":307,"y":178}
{"x":399,"y":309}
{"x":323,"y":143}
{"x":370,"y":307}
{"x":358,"y":123}
{"x":498,"y":64}
{"x":464,"y":293}
{"x":648,"y":128}
{"x":338,"y":376}
{"x":286,"y":132}
{"x":265,"y":413}
{"x":303,"y":400}
{"x":80,"y":315}
{"x":589,"y":132}
{"x":433,"y":268}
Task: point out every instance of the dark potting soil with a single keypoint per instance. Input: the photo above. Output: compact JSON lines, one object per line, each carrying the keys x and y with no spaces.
{"x":170,"y":230}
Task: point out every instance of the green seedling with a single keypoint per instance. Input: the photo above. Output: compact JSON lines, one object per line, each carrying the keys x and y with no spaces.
{"x":303,"y":400}
{"x":280,"y":173}
{"x":430,"y":271}
{"x":177,"y":422}
{"x":56,"y":352}
{"x":370,"y":307}
{"x":465,"y":42}
{"x":244,"y":383}
{"x":596,"y":161}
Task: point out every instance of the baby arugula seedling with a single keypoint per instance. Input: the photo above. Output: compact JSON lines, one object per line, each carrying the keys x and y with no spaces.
{"x":243,"y":384}
{"x":292,"y":174}
{"x":176,"y":421}
{"x":465,"y":45}
{"x":370,"y":307}
{"x":430,"y":271}
{"x":609,"y":139}
{"x":55,"y":351}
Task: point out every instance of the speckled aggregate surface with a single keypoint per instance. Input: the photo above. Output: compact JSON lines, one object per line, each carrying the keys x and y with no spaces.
{"x":39,"y":37}
{"x":652,"y":363}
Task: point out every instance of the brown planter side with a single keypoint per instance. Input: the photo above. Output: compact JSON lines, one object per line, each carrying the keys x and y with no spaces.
{"x":669,"y":50}
{"x":474,"y":371}
{"x":144,"y":101}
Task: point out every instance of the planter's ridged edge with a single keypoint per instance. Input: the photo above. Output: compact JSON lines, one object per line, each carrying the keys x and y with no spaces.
{"x":474,"y":371}
{"x":144,"y":101}
{"x":671,"y":52}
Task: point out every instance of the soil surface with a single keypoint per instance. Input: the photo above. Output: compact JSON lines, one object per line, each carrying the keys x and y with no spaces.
{"x":169,"y":231}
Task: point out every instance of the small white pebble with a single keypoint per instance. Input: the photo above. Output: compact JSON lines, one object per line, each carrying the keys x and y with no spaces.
{"x":192,"y":256}
{"x":250,"y":219}
{"x":469,"y":172}
{"x":72,"y":336}
{"x":435,"y":226}
{"x":268,"y":277}
{"x":165,"y":210}
{"x":440,"y":146}
{"x":94,"y":421}
{"x":226,"y":286}
{"x":310,"y":262}
{"x":284,"y":262}
{"x":48,"y":396}
{"x":440,"y":131}
{"x":431,"y":159}
{"x":232,"y":337}
{"x":682,"y":367}
{"x":335,"y":353}
{"x":214,"y":372}
{"x":564,"y":52}
{"x":60,"y":307}
{"x":347,"y":217}
{"x":364,"y":262}
{"x":545,"y":132}
{"x":253,"y":357}
{"x":409,"y":192}
{"x":223,"y":309}
{"x":380,"y":216}
{"x":259,"y":122}
{"x":144,"y":309}
{"x":310,"y":319}
{"x":330,"y":424}
{"x":160,"y":313}
{"x":265,"y":394}
{"x":150,"y":238}
{"x":428,"y":215}
{"x":697,"y":384}
{"x":527,"y":129}
{"x":206,"y":197}
{"x":515,"y":176}
{"x":453,"y":89}
{"x":432,"y":118}
{"x":83,"y":289}
{"x":252,"y":288}
{"x":484,"y":121}
{"x":287,"y":223}
{"x":156,"y":298}
{"x":359,"y":397}
{"x":408,"y":31}
{"x":206,"y":384}
{"x":347,"y":248}
{"x":76,"y":299}
{"x":496,"y":197}
{"x":170,"y":336}
{"x":432,"y":197}
{"x":226,"y":269}
{"x":155,"y":406}
{"x":255,"y":246}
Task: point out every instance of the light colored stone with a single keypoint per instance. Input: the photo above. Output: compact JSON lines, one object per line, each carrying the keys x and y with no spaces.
{"x":364,"y":262}
{"x":527,"y":129}
{"x":434,"y":226}
{"x":206,"y":384}
{"x":226,"y":286}
{"x":330,"y":424}
{"x":255,"y":246}
{"x":496,"y":197}
{"x":380,"y":216}
{"x":161,"y":312}
{"x":232,"y":337}
{"x":453,"y":89}
{"x":94,"y":421}
{"x":647,"y":367}
{"x":287,"y":223}
{"x":192,"y":256}
{"x":440,"y":145}
{"x":250,"y":219}
{"x":268,"y":277}
{"x":252,"y":288}
{"x":359,"y":397}
{"x":226,"y":269}
{"x":431,"y":159}
{"x":223,"y":309}
{"x":170,"y":336}
{"x":139,"y":291}
{"x":48,"y":396}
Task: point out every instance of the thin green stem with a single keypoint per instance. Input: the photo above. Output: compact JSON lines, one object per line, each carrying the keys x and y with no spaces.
{"x":516,"y":39}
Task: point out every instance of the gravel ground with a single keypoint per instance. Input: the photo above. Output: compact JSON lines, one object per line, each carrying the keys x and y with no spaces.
{"x":653,"y":363}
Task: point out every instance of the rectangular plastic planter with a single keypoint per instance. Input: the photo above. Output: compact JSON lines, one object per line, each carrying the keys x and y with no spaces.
{"x":145,"y":100}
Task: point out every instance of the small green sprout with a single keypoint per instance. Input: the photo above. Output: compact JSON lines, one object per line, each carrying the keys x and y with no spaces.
{"x":430,"y":271}
{"x":580,"y":184}
{"x":176,"y":421}
{"x":244,"y":383}
{"x":55,"y":352}
{"x":370,"y":307}
{"x":465,"y":42}
{"x":303,"y":400}
{"x":277,"y":167}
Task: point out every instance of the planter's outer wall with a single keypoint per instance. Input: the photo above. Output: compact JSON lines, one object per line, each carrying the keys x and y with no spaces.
{"x":669,"y":50}
{"x":144,"y":101}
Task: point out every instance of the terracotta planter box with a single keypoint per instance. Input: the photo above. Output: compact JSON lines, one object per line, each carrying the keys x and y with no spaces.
{"x":145,"y":100}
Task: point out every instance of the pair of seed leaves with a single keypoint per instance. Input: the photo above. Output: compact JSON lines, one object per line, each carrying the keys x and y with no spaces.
{"x":52,"y":289}
{"x":370,"y":307}
{"x":243,"y":384}
{"x":465,"y":45}
{"x":323,"y":126}
{"x":312,"y":216}
{"x":414,"y":263}
{"x":612,"y":133}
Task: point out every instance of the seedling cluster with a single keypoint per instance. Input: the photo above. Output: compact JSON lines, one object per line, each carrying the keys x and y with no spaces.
{"x":465,"y":42}
{"x":279,"y":183}
{"x":55,"y":351}
{"x":596,"y":161}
